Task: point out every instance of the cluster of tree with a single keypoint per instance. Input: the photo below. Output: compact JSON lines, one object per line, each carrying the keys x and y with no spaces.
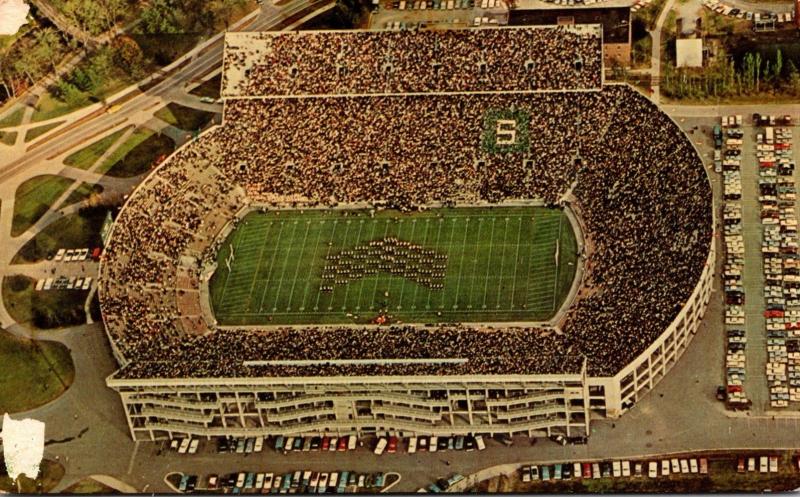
{"x":123,"y":58}
{"x":724,"y":78}
{"x":186,"y":16}
{"x":93,"y":17}
{"x":30,"y":59}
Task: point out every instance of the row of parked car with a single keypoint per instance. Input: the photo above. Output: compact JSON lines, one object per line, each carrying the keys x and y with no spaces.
{"x":300,"y":481}
{"x":727,"y":10}
{"x":728,"y":141}
{"x":63,"y":283}
{"x":780,"y":249}
{"x":762,"y":464}
{"x":393,"y":444}
{"x":614,"y":469}
{"x":77,"y":255}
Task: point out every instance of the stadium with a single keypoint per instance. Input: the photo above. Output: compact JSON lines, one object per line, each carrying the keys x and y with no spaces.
{"x":429,"y":232}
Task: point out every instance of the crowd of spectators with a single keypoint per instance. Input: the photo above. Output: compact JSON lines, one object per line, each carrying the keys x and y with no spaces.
{"x":369,"y":62}
{"x":634,"y":176}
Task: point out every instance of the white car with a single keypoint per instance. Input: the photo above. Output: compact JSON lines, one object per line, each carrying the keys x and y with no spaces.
{"x":382,"y":443}
{"x":664,"y":467}
{"x":652,"y":471}
{"x":434,"y":445}
{"x":59,"y":255}
{"x":68,"y":255}
{"x":626,"y":468}
{"x":693,"y":465}
{"x":479,"y":443}
{"x":193,"y":445}
{"x":259,"y":445}
{"x":184,"y":446}
{"x":87,"y":283}
{"x":412,"y":445}
{"x":676,"y":466}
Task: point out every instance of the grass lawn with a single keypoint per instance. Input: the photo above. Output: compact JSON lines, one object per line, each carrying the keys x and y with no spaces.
{"x":12,"y":119}
{"x":34,"y":133}
{"x":498,"y":264}
{"x":32,"y":373}
{"x":50,"y":473}
{"x":209,"y":88}
{"x":33,"y":199}
{"x":50,"y":106}
{"x":87,"y":156}
{"x":137,"y":154}
{"x":81,"y":193}
{"x":79,"y":230}
{"x":89,"y":486}
{"x":8,"y":137}
{"x":183,"y":117}
{"x":44,"y":309}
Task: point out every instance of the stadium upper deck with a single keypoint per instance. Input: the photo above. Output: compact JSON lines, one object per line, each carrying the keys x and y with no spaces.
{"x":329,"y":63}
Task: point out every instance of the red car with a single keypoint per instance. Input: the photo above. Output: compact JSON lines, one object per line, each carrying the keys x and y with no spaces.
{"x":392,"y":447}
{"x":342,"y":444}
{"x":587,"y":470}
{"x":740,"y":466}
{"x":326,"y":442}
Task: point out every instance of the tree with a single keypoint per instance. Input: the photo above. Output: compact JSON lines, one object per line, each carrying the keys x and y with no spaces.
{"x":48,"y":44}
{"x":159,"y":18}
{"x":69,"y":93}
{"x":226,"y":8}
{"x":111,"y":10}
{"x":128,"y":56}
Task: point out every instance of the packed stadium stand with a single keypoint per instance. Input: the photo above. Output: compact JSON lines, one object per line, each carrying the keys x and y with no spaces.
{"x":315,"y":119}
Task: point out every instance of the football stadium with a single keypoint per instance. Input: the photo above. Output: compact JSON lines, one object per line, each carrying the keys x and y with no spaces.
{"x":436,"y":232}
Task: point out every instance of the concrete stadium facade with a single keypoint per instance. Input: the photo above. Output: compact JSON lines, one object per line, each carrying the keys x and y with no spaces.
{"x":537,"y":405}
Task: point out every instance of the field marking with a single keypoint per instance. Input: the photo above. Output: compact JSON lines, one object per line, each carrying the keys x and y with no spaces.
{"x":555,"y":280}
{"x":502,"y":263}
{"x":227,"y":276}
{"x":347,"y":286}
{"x":438,"y":236}
{"x":488,"y":267}
{"x":461,"y":262}
{"x":475,"y":266}
{"x":297,"y":268}
{"x":311,"y":268}
{"x":283,"y":272}
{"x":516,"y":264}
{"x":364,"y":279}
{"x":327,"y":253}
{"x":403,"y":281}
{"x":377,"y":280}
{"x":424,"y":244}
{"x":255,"y":273}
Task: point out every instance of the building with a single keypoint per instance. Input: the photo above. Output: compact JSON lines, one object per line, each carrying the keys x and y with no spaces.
{"x":180,"y":377}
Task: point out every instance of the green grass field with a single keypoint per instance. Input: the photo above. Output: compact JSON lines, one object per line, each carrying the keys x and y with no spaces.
{"x":500,"y":266}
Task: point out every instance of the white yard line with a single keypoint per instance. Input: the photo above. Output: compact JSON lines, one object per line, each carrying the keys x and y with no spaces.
{"x":475,"y":266}
{"x":555,"y":282}
{"x":502,"y":263}
{"x":516,"y":262}
{"x":461,"y":262}
{"x":297,"y":267}
{"x":269,"y":272}
{"x":403,"y":281}
{"x":347,"y":287}
{"x":447,"y":251}
{"x":311,"y":266}
{"x":258,"y":266}
{"x":375,"y":289}
{"x":364,"y":279}
{"x":327,"y":253}
{"x":227,"y":276}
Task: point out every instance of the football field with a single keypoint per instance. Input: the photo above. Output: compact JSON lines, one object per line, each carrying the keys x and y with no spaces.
{"x":441,"y":265}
